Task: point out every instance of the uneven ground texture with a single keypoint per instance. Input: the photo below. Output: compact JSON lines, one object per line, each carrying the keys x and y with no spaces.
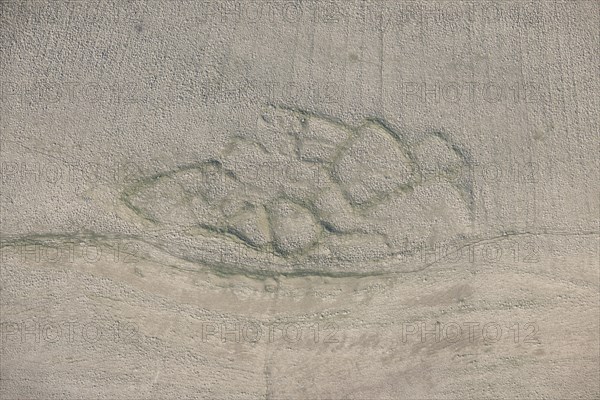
{"x":299,"y":199}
